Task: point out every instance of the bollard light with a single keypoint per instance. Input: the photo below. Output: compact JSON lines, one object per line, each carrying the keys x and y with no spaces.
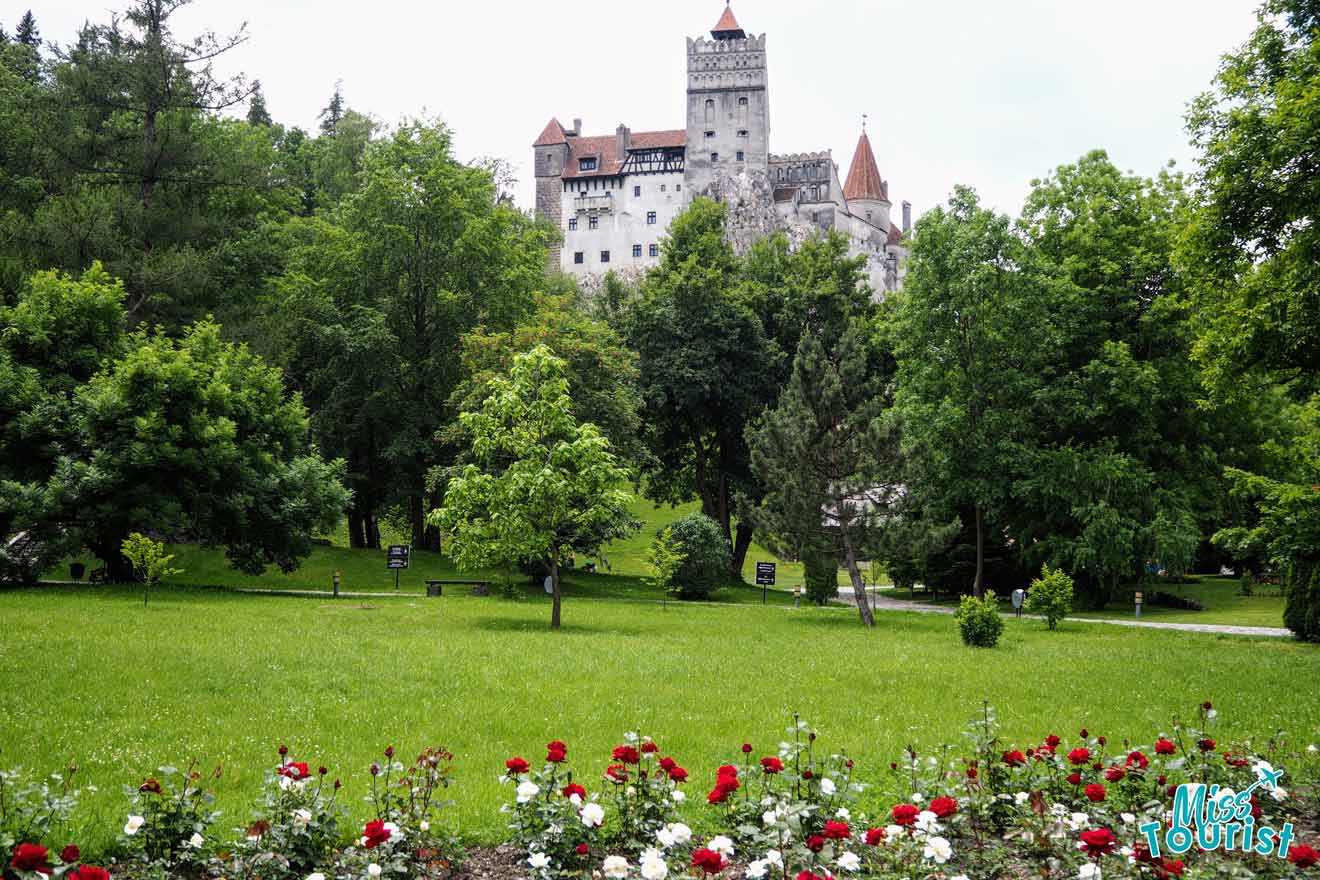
{"x":336,"y":579}
{"x":1138,"y":599}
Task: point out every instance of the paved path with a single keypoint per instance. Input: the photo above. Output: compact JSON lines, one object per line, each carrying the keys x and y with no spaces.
{"x":887,"y":603}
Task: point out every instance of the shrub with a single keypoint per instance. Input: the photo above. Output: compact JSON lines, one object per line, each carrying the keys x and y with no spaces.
{"x":664,"y":559}
{"x":705,"y":553}
{"x":979,"y":622}
{"x":295,"y":829}
{"x":170,"y":817}
{"x":820,"y":575}
{"x":1050,"y":596}
{"x":1301,"y":610}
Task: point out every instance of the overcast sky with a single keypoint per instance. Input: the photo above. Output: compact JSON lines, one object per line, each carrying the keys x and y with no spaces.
{"x":990,"y":94}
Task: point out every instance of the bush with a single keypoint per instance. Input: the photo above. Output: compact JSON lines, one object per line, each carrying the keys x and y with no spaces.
{"x":820,"y":573}
{"x":1050,"y":596}
{"x":705,"y":553}
{"x":1301,"y":610}
{"x":979,"y":622}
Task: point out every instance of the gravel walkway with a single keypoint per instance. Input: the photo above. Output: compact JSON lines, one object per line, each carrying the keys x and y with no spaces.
{"x":886,"y":603}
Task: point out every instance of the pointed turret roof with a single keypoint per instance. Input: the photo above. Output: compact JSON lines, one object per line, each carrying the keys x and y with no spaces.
{"x":552,"y":134}
{"x":864,"y":181}
{"x":727,"y":27}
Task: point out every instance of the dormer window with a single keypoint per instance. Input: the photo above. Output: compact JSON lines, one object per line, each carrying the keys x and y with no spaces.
{"x":587,"y":163}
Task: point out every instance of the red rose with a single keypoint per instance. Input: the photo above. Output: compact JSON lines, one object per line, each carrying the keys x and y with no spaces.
{"x":726,"y":770}
{"x":904,"y":814}
{"x":1077,"y":757}
{"x":1074,"y":778}
{"x":771,"y":765}
{"x":626,"y":754}
{"x":1206,"y":745}
{"x":1084,"y":733}
{"x":70,"y":854}
{"x":1137,"y":758}
{"x":1161,"y":779}
{"x":284,"y":750}
{"x":1102,"y":740}
{"x":667,"y":764}
{"x":1207,"y":705}
{"x":517,"y":765}
{"x":1303,"y":856}
{"x":89,"y":872}
{"x":649,"y":747}
{"x":677,"y":774}
{"x":1164,"y":747}
{"x":374,"y":834}
{"x":30,"y":857}
{"x":1095,"y":791}
{"x":556,"y":745}
{"x":1052,"y":741}
{"x":1233,"y":760}
{"x":583,"y":849}
{"x":574,"y":789}
{"x":944,"y":807}
{"x":616,"y":773}
{"x":1014,"y":759}
{"x":815,"y":842}
{"x":298,"y":770}
{"x":151,"y":786}
{"x":709,"y":861}
{"x":555,"y":756}
{"x":875,"y":836}
{"x":1115,"y":773}
{"x":1098,"y":842}
{"x":806,"y":774}
{"x":718,"y":795}
{"x":1170,"y":868}
{"x":807,"y":875}
{"x":971,"y":773}
{"x":837,"y":830}
{"x":747,"y":748}
{"x":1255,"y":807}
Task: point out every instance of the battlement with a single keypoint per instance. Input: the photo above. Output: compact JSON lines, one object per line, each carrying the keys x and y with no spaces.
{"x":801,"y":157}
{"x":703,"y":46}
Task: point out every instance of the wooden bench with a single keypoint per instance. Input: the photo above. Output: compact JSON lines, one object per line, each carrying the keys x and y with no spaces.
{"x":479,"y":588}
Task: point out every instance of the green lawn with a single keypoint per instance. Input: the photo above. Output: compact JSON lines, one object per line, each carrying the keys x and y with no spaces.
{"x":1223,"y":604}
{"x":87,"y":674}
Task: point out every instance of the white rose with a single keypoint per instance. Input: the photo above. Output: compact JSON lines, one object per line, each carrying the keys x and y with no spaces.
{"x":842,"y":813}
{"x":1088,"y":871}
{"x":757,"y":869}
{"x":316,"y":875}
{"x":424,"y":825}
{"x":575,"y":799}
{"x":1021,"y":798}
{"x":1127,"y":818}
{"x":654,"y":867}
{"x":678,"y":796}
{"x":302,"y":817}
{"x":939,"y":849}
{"x":1077,"y":821}
{"x":538,"y":860}
{"x":133,"y":824}
{"x":892,"y":832}
{"x":926,"y":822}
{"x":775,"y":857}
{"x":373,"y":870}
{"x":918,"y":798}
{"x":769,"y":817}
{"x":526,"y":791}
{"x":849,"y":861}
{"x":721,"y":845}
{"x":395,"y":831}
{"x":827,"y":786}
{"x":592,"y":815}
{"x":196,"y":841}
{"x":615,"y":866}
{"x":1279,"y":794}
{"x":1313,"y":748}
{"x":682,"y":834}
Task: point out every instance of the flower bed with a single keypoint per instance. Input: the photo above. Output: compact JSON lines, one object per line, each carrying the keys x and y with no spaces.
{"x":1076,"y":807}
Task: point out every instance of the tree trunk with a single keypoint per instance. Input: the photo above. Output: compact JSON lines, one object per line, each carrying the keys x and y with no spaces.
{"x":742,"y":541}
{"x":417,"y":516}
{"x":118,"y":570}
{"x":554,"y":592}
{"x":978,"y":585}
{"x":858,"y":584}
{"x":357,"y":533}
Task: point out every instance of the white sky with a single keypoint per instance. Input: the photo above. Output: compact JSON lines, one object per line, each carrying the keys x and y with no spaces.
{"x":958,"y":91}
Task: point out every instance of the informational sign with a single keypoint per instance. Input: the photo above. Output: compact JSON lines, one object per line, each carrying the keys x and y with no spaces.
{"x":397,"y":556}
{"x":765,"y":573}
{"x":1019,"y":596}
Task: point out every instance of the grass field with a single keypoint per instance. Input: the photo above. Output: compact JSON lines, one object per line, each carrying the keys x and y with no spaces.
{"x":87,"y":674}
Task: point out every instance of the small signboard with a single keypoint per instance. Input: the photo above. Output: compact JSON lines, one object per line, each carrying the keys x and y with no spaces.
{"x":765,"y":573}
{"x":397,"y":556}
{"x":1019,"y":596}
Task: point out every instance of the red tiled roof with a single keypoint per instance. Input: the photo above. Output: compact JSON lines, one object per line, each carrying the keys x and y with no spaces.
{"x":864,"y":180}
{"x":727,"y":25}
{"x":552,"y":134}
{"x":603,"y":147}
{"x":895,"y":234}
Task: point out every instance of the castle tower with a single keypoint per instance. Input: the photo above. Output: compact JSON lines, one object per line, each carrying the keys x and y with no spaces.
{"x":866,"y":192}
{"x":728,"y":109}
{"x":550,"y":157}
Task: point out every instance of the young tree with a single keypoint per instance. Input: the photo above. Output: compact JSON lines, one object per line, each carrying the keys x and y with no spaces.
{"x":829,"y":468}
{"x":541,"y":478}
{"x":149,"y":560}
{"x":257,"y":113}
{"x":27,"y":32}
{"x":333,"y":112}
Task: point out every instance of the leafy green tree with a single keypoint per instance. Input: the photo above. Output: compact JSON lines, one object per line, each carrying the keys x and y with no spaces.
{"x":333,"y":113}
{"x":1050,"y":596}
{"x":257,"y":113}
{"x":969,"y":342}
{"x":541,"y":477}
{"x":706,"y":368}
{"x":705,"y":554}
{"x":830,"y":468}
{"x":149,"y":560}
{"x":664,"y":558}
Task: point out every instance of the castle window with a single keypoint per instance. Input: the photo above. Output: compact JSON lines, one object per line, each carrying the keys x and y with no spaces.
{"x":710,"y":134}
{"x":650,"y":218}
{"x":868,"y":215}
{"x":740,"y":155}
{"x":742,"y":110}
{"x":587,"y":164}
{"x":655,"y":250}
{"x":742,"y":132}
{"x":678,"y":187}
{"x":577,"y":257}
{"x":604,"y":256}
{"x":714,"y":157}
{"x":637,"y":191}
{"x":710,"y":110}
{"x":593,"y":221}
{"x":662,"y":187}
{"x":637,"y":250}
{"x":572,"y":224}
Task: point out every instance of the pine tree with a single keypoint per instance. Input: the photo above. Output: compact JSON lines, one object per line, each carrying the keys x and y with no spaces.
{"x":27,"y":32}
{"x":4,"y":35}
{"x":257,"y":113}
{"x":333,"y":112}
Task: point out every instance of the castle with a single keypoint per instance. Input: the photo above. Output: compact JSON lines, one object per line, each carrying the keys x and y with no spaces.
{"x":613,"y":196}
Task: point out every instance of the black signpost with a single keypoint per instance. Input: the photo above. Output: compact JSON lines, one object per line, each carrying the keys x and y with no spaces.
{"x":396,"y":558}
{"x":765,"y":576}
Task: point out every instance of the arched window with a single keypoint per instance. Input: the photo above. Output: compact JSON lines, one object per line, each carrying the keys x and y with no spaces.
{"x":710,"y":110}
{"x":742,"y":110}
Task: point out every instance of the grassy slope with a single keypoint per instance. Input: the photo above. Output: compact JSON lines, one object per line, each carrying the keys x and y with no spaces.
{"x":88,"y":674}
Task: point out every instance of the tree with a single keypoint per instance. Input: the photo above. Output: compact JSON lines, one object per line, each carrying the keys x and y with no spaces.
{"x":664,"y":557}
{"x":27,"y":32}
{"x":149,"y":560}
{"x":706,"y":368}
{"x":829,"y":467}
{"x":257,"y":113}
{"x":1050,"y":596}
{"x":194,"y":437}
{"x":540,"y":480}
{"x":333,"y":112}
{"x":969,"y":342}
